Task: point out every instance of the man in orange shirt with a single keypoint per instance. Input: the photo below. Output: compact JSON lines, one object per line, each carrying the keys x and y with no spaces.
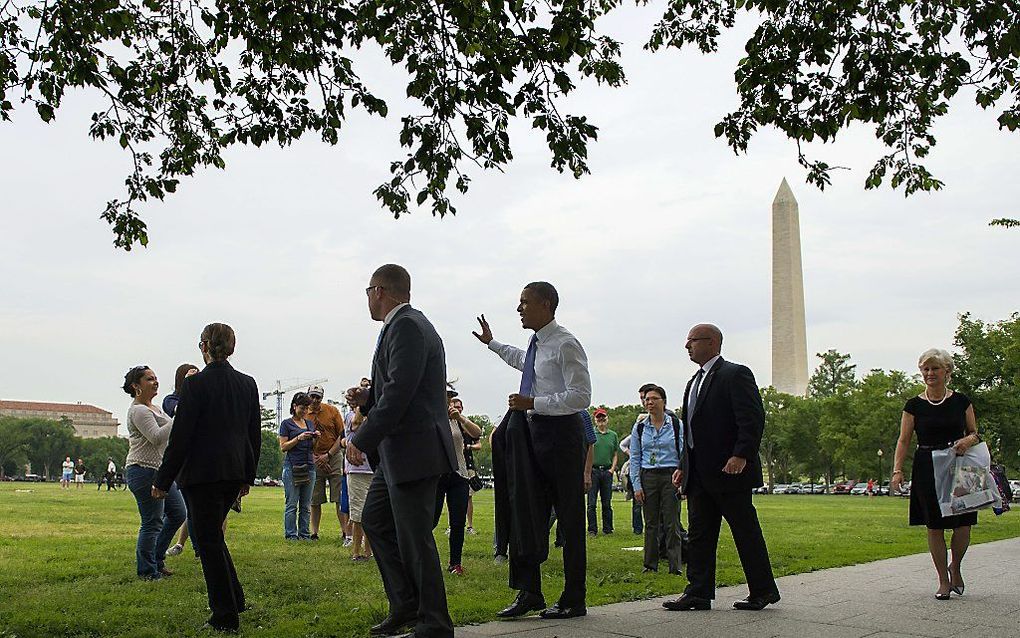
{"x":329,"y":461}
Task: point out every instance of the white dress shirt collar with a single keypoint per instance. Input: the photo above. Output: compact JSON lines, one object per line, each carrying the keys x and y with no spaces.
{"x":391,"y":313}
{"x":545,"y":331}
{"x":711,"y":362}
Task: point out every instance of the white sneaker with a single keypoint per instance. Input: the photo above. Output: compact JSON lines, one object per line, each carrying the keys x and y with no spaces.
{"x":447,"y":531}
{"x":348,"y":541}
{"x":175,"y":550}
{"x":471,"y":531}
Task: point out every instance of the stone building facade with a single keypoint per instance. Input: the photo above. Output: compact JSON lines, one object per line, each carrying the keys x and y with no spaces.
{"x":89,"y":421}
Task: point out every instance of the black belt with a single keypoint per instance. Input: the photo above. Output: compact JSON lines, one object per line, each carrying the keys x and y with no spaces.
{"x":937,"y":446}
{"x":601,"y":467}
{"x":659,"y":470}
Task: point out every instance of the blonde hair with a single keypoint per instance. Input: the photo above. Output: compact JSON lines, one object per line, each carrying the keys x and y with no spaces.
{"x":939,"y":356}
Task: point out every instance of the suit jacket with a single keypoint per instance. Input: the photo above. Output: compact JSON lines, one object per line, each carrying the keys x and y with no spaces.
{"x":216,"y":434}
{"x":728,"y":420}
{"x":407,"y":426}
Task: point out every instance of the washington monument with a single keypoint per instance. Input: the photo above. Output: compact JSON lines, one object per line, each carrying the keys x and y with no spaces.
{"x":789,"y":335}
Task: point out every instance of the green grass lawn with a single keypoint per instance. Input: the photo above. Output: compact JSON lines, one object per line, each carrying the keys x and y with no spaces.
{"x":67,"y":564}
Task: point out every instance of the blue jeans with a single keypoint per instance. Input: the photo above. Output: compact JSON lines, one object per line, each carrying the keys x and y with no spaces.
{"x":297,"y":509}
{"x":161,"y":518}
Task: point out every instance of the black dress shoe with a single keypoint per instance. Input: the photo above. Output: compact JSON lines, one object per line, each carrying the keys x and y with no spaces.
{"x":526,"y":602}
{"x":556,"y":612}
{"x":757,"y":603}
{"x":686,"y":602}
{"x":219,"y":628}
{"x":393,"y":624}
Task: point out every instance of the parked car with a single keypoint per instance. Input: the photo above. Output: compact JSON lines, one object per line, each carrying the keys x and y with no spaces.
{"x":818,"y":488}
{"x":859,"y":488}
{"x":843,"y":488}
{"x":780,"y":489}
{"x":764,"y":489}
{"x":1015,"y":486}
{"x":883,"y":489}
{"x":271,"y":482}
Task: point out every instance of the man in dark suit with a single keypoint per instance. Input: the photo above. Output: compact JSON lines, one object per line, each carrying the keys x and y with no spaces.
{"x":406,"y":436}
{"x":723,"y":420}
{"x":213,"y":453}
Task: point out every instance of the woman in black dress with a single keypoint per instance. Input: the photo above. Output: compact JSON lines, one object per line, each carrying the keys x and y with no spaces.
{"x":942,"y":419}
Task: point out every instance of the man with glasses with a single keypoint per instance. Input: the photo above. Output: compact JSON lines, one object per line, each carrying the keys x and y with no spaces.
{"x":606,"y":455}
{"x":723,"y":420}
{"x":406,"y":437}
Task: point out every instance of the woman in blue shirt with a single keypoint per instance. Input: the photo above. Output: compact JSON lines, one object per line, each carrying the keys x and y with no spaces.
{"x":655,"y":445}
{"x":296,"y":439}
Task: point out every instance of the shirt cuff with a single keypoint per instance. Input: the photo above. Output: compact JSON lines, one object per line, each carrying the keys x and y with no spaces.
{"x":541,"y":405}
{"x":494,"y":346}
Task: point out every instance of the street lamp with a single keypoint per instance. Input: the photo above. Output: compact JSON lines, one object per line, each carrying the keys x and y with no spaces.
{"x":880,"y":477}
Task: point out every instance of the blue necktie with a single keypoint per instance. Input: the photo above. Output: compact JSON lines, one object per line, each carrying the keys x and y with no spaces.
{"x":528,"y":378}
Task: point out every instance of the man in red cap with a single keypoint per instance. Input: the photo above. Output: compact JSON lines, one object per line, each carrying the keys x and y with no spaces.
{"x":606,"y":456}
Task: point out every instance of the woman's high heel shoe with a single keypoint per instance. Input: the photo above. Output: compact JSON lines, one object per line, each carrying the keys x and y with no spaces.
{"x":957,"y":589}
{"x":944,"y":596}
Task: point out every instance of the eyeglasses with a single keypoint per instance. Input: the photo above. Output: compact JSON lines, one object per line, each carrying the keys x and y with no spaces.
{"x":693,"y":339}
{"x":600,"y":417}
{"x":369,"y":290}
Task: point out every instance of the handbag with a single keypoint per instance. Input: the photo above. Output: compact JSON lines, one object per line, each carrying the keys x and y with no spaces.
{"x":301,"y":474}
{"x":964,"y":483}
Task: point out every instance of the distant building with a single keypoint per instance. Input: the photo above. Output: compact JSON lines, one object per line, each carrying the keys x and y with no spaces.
{"x":89,"y":421}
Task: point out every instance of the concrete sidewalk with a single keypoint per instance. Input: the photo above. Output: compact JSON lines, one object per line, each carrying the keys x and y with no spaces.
{"x":885,"y":599}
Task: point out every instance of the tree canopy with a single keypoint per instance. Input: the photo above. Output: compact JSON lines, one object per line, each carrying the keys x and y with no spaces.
{"x":181,"y":81}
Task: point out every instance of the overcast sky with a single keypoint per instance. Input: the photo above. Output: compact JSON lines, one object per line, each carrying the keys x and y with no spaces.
{"x":670,"y":229}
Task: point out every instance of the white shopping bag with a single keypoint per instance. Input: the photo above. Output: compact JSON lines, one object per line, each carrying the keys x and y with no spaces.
{"x":964,"y":483}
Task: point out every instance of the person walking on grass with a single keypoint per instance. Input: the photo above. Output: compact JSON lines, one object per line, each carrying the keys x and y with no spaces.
{"x":657,"y":447}
{"x":213,"y":453}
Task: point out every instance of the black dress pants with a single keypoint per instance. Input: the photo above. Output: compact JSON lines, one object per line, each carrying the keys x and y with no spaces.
{"x":705,"y":511}
{"x":208,"y":504}
{"x":398,"y":521}
{"x":538,"y":463}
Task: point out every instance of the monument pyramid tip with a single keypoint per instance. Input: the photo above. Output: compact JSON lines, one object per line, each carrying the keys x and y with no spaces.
{"x":785,"y":193}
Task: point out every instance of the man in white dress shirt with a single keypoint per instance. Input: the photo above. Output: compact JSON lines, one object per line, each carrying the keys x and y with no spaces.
{"x":538,"y":454}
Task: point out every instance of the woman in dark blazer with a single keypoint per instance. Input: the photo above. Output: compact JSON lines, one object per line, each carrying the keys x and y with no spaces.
{"x":213,"y":453}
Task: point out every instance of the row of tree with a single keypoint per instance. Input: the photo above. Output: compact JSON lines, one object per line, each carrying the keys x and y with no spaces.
{"x":44,"y":443}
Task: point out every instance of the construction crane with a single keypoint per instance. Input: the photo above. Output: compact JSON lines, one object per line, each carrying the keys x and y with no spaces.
{"x":280,"y":391}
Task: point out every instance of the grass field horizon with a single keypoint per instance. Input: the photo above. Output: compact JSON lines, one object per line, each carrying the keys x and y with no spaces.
{"x":67,"y":565}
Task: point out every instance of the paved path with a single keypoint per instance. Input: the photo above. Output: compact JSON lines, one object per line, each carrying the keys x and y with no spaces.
{"x":886,"y":599}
